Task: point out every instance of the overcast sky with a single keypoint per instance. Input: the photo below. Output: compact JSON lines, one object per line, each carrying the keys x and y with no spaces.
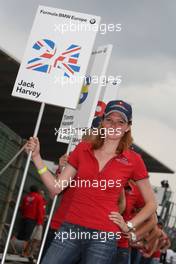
{"x":144,"y":54}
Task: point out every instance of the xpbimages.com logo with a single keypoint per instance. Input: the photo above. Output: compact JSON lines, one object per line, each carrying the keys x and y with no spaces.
{"x":86,"y":235}
{"x":94,"y":131}
{"x":48,"y":58}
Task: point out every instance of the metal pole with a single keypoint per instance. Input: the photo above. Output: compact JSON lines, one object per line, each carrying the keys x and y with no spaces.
{"x":51,"y":214}
{"x":22,"y":184}
{"x":15,"y":176}
{"x":12,"y":160}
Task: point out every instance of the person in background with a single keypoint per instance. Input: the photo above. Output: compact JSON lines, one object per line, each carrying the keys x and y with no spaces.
{"x":154,"y":243}
{"x":36,"y":236}
{"x":31,"y":215}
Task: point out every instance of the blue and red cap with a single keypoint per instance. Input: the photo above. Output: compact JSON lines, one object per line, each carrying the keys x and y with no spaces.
{"x":121,"y":107}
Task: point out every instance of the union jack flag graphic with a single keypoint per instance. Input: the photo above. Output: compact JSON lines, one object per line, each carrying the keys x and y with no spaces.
{"x":68,"y":60}
{"x":48,"y":59}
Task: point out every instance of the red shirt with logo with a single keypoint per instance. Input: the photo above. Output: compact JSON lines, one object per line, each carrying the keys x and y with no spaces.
{"x":33,"y":207}
{"x":93,"y":194}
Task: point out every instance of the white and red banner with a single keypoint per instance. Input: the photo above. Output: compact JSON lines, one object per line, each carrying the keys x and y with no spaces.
{"x":108,"y":93}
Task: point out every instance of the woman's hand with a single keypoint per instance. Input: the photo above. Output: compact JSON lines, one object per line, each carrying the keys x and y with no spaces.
{"x":118,"y":219}
{"x":138,"y":244}
{"x":63,"y":161}
{"x":34,"y":146}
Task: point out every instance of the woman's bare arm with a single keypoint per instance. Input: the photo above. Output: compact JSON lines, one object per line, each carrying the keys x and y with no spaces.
{"x":150,"y":203}
{"x":54,"y":186}
{"x":146,"y":227}
{"x":147,"y":211}
{"x":155,"y":233}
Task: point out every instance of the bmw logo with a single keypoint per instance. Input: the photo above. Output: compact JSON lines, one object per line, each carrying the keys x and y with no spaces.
{"x":92,"y":21}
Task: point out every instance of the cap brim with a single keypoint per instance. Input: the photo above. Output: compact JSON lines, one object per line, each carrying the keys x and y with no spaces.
{"x":117,"y":111}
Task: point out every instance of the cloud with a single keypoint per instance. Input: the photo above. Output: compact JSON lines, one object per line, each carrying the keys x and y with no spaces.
{"x":155,"y":100}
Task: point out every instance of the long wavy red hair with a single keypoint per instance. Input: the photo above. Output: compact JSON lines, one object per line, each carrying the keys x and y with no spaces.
{"x":97,"y":140}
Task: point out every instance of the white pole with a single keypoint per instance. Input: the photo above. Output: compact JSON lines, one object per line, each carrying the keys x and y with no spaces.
{"x":51,"y":213}
{"x":22,"y":184}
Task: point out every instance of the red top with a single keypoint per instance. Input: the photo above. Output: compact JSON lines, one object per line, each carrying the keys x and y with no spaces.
{"x":59,"y":215}
{"x":33,"y":207}
{"x":134,"y":200}
{"x":42,"y":212}
{"x":89,"y":203}
{"x":157,"y":254}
